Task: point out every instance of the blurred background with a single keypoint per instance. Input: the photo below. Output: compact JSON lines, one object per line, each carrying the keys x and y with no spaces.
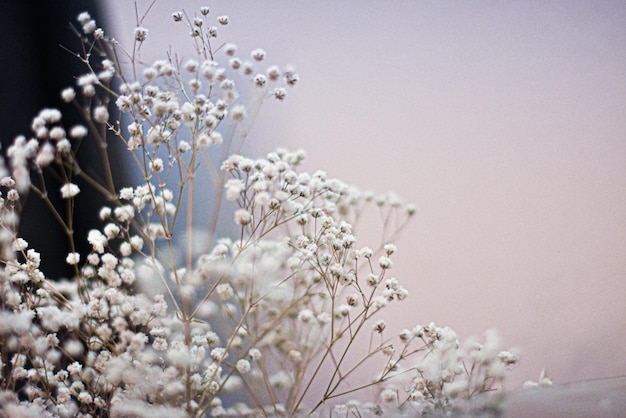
{"x":503,"y":122}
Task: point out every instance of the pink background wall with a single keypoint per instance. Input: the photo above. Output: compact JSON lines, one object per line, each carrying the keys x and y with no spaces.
{"x":504,"y":122}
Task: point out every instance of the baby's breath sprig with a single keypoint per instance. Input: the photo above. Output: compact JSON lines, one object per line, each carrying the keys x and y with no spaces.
{"x":166,"y":318}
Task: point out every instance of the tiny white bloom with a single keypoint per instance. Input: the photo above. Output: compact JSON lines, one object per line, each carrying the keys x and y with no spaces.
{"x":379,"y":326}
{"x":260,"y":80}
{"x":385,"y":263}
{"x":101,"y":114}
{"x":78,"y":132}
{"x":243,"y":366}
{"x":280,"y":93}
{"x":13,"y":195}
{"x":83,"y":17}
{"x":238,"y":113}
{"x":157,"y":165}
{"x":69,"y":190}
{"x":258,"y":54}
{"x":242,"y":217}
{"x":255,"y":354}
{"x":141,"y":34}
{"x":68,"y":94}
{"x":72,"y":259}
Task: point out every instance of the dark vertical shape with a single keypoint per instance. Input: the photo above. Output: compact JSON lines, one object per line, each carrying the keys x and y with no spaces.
{"x":33,"y":71}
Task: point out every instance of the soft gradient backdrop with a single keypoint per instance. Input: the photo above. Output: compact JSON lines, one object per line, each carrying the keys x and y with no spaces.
{"x":505,"y":122}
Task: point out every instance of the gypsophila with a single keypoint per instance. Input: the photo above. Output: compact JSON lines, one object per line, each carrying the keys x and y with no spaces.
{"x":141,"y":34}
{"x":171,"y":311}
{"x":69,"y":190}
{"x":72,"y":259}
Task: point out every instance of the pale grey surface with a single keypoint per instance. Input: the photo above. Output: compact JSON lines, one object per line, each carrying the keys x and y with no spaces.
{"x":602,"y":399}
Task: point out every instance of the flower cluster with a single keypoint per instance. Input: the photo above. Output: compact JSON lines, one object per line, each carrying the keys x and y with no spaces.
{"x":274,"y":320}
{"x":443,"y":381}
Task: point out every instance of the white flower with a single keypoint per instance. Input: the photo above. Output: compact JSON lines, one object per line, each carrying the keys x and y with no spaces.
{"x":295,"y":356}
{"x":238,"y":113}
{"x":124,"y":213}
{"x":126,"y":193}
{"x":306,"y":315}
{"x":97,"y":240}
{"x":75,"y":368}
{"x":219,"y":353}
{"x":89,"y":27}
{"x":242,"y":217}
{"x":141,"y":34}
{"x":136,"y":242}
{"x":341,"y":410}
{"x":352,"y":300}
{"x":157,"y":165}
{"x":406,"y":336}
{"x":57,"y":133}
{"x":105,"y":212}
{"x":380,"y":301}
{"x":225,"y":291}
{"x":20,"y":244}
{"x":248,"y":68}
{"x":234,"y":63}
{"x":84,"y":397}
{"x":83,"y":18}
{"x":111,"y":230}
{"x":72,"y":259}
{"x":101,"y":114}
{"x":390,"y":249}
{"x":260,"y":80}
{"x":203,"y":141}
{"x":366,"y":252}
{"x":87,"y":80}
{"x":385,"y":263}
{"x":243,"y":366}
{"x":280,"y":93}
{"x":64,"y":146}
{"x":258,"y":54}
{"x":388,"y":396}
{"x":508,"y":358}
{"x":273,"y":73}
{"x":7,"y":182}
{"x":13,"y":195}
{"x":379,"y":326}
{"x":109,"y":261}
{"x":69,"y":190}
{"x":183,"y":147}
{"x":68,"y":94}
{"x":216,"y":138}
{"x":191,"y":65}
{"x":233,"y":188}
{"x":78,"y":132}
{"x":135,"y":129}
